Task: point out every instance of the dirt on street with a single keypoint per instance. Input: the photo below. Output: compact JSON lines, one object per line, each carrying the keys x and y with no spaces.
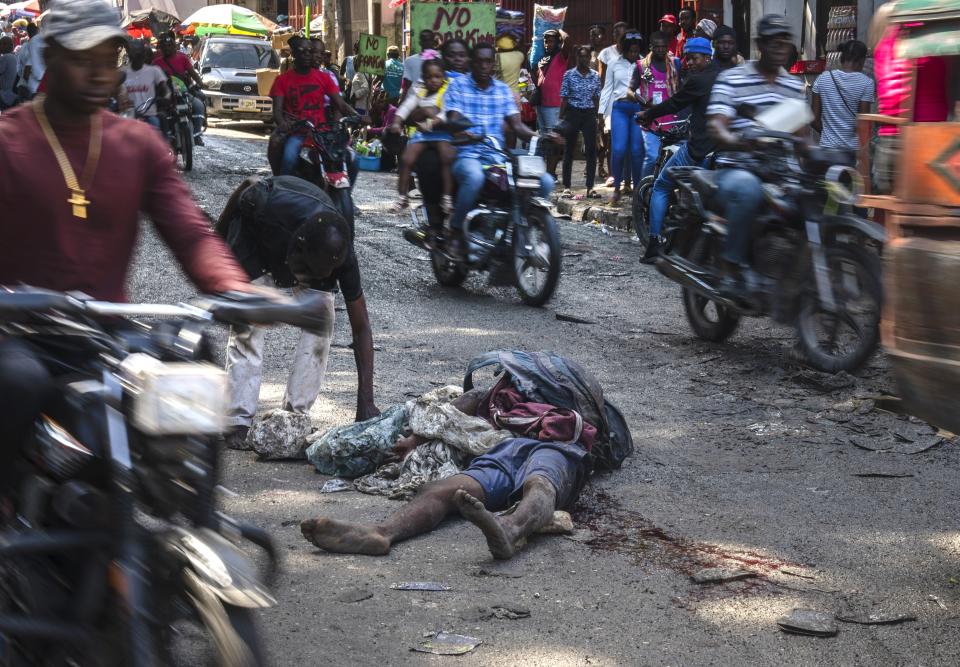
{"x":744,"y":460}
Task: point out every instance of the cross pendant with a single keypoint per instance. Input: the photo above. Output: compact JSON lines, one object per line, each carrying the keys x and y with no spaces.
{"x":79,"y":203}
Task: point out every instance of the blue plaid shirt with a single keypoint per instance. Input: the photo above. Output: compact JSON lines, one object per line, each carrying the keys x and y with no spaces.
{"x":487,"y":108}
{"x":579,"y":89}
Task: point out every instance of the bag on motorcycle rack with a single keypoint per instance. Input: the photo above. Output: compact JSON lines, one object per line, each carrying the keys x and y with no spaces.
{"x":547,"y":377}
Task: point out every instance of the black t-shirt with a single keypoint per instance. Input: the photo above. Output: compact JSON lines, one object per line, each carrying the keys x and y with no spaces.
{"x":270,"y":211}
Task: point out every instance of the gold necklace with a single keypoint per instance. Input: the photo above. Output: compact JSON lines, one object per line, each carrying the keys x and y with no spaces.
{"x":77,"y":198}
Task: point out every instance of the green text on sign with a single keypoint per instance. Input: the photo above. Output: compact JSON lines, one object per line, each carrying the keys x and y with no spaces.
{"x":373,"y":54}
{"x":472,"y":22}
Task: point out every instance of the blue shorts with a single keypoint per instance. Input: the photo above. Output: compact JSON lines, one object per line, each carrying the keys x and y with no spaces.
{"x":419,"y":136}
{"x":503,"y":470}
{"x":547,"y":118}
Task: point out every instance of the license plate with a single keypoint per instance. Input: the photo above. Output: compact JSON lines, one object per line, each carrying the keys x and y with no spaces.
{"x":247,"y":104}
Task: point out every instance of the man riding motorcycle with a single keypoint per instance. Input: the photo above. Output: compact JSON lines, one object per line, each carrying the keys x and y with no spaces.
{"x":694,"y":93}
{"x":81,"y":234}
{"x":175,"y":64}
{"x":486,"y":102}
{"x":144,"y":82}
{"x":759,"y":84}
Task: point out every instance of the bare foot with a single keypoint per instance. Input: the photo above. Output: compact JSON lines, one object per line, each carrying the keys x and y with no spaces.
{"x":500,"y":543}
{"x":343,"y":537}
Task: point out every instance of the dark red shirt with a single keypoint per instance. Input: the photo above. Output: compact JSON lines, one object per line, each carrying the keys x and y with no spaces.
{"x":303,"y":94}
{"x":176,"y":65}
{"x":46,"y":246}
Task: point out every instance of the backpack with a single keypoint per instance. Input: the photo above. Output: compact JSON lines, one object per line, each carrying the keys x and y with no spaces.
{"x":547,"y":377}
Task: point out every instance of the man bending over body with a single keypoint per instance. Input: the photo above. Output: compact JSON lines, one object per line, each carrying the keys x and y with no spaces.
{"x":543,"y":476}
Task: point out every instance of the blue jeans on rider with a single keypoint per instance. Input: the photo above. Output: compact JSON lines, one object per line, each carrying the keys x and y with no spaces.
{"x":468,"y":174}
{"x":291,"y":153}
{"x":199,"y":111}
{"x":651,"y":149}
{"x":153,"y":121}
{"x":626,"y":138}
{"x":663,"y":186}
{"x":742,"y":193}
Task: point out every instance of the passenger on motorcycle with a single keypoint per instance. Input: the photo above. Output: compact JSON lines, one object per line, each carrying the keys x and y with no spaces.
{"x":488,"y":103}
{"x":760,"y":84}
{"x":298,"y":94}
{"x":694,"y":92}
{"x":99,"y":172}
{"x":144,"y":82}
{"x":176,"y":64}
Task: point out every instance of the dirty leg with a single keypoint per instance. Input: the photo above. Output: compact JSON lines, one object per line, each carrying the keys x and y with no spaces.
{"x":505,"y":534}
{"x":420,"y":515}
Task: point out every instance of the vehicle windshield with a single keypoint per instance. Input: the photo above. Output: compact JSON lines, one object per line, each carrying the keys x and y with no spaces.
{"x":233,"y":55}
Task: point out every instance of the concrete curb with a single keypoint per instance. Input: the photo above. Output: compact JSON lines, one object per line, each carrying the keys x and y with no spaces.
{"x":586,"y":211}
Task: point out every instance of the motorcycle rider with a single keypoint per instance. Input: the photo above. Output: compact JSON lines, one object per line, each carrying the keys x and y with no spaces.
{"x":694,"y":92}
{"x":488,"y":103}
{"x":759,"y":84}
{"x":176,"y":64}
{"x":80,"y":234}
{"x":144,"y":82}
{"x":298,"y":94}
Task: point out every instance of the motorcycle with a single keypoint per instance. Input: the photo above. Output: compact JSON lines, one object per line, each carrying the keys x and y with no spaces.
{"x":509,"y":234}
{"x":325,"y":161}
{"x":672,"y":134}
{"x":115,"y":541}
{"x":177,"y":123}
{"x":815,"y":264}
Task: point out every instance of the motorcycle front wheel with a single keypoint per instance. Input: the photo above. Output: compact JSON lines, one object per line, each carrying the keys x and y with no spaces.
{"x":843,"y":340}
{"x":537,"y":263}
{"x":709,"y":320}
{"x":185,"y":139}
{"x":447,"y":272}
{"x":641,"y":211}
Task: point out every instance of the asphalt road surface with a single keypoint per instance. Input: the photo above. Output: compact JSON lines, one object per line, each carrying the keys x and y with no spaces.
{"x":743,"y":459}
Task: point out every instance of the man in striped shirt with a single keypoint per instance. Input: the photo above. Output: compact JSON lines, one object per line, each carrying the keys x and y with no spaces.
{"x":762,"y":84}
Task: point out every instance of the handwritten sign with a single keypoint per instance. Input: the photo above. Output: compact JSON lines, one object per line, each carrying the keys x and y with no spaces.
{"x":472,"y":22}
{"x":372,"y":58}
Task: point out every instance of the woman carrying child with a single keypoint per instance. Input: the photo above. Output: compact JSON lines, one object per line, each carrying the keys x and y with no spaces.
{"x":428,"y":97}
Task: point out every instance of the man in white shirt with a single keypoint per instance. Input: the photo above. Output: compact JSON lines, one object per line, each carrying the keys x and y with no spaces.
{"x":411,"y":66}
{"x":32,"y":65}
{"x":144,"y":82}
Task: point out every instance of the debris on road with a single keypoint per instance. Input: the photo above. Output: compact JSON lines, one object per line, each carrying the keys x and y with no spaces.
{"x":938,"y":601}
{"x":720,"y":575}
{"x":561,"y":523}
{"x":496,"y":570}
{"x":573,"y":318}
{"x":356,"y":449}
{"x":354,"y":595}
{"x":420,"y":586}
{"x":883,"y":475}
{"x":877,"y":619}
{"x":445,"y":643}
{"x":280,"y":434}
{"x":501,"y":612}
{"x":808,"y":622}
{"x":336,"y":485}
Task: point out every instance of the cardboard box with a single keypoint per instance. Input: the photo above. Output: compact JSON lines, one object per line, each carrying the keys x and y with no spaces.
{"x":280,"y":41}
{"x":265,"y":79}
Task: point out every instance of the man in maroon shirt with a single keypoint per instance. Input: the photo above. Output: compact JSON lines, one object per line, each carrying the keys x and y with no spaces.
{"x":71,"y":224}
{"x":176,"y":64}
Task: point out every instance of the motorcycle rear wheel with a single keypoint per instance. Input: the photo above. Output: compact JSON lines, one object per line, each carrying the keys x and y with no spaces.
{"x":185,"y":138}
{"x":543,"y":236}
{"x":858,"y":295}
{"x":709,"y":320}
{"x":447,"y":272}
{"x":641,"y":210}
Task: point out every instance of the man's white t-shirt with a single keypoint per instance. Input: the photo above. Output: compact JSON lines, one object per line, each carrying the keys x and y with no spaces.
{"x":411,"y":68}
{"x":141,"y":85}
{"x":32,"y":54}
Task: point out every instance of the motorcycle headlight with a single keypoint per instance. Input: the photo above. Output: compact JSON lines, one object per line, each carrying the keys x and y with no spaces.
{"x":531,"y":166}
{"x":844,"y":184}
{"x":211,"y":83}
{"x":171,"y":398}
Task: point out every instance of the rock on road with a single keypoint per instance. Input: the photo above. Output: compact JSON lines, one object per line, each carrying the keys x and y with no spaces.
{"x":743,"y":460}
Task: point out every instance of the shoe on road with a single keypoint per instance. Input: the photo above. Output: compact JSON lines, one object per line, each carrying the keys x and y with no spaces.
{"x":654,"y":248}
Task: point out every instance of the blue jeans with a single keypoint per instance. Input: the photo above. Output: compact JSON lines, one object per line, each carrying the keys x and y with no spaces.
{"x":625,"y":137}
{"x":291,"y":153}
{"x":547,"y":118}
{"x":743,"y":194}
{"x":663,"y":186}
{"x":153,"y":121}
{"x":469,"y":176}
{"x":651,"y":145}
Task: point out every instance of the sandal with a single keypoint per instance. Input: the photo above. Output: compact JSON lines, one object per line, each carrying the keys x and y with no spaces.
{"x":401,"y":205}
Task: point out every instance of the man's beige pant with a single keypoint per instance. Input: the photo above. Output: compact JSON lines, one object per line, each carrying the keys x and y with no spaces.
{"x":245,"y":366}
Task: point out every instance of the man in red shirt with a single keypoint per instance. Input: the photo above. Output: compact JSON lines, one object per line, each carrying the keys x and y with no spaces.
{"x":300,"y":94}
{"x":668,"y":25}
{"x":550,"y":71}
{"x":75,"y":180}
{"x":175,"y":63}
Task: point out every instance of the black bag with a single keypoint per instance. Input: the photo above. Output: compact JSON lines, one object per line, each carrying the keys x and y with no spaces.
{"x":547,"y":377}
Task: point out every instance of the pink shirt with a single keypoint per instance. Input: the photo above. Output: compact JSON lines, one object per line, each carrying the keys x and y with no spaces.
{"x":658,"y":91}
{"x":551,"y":82}
{"x":893,"y":84}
